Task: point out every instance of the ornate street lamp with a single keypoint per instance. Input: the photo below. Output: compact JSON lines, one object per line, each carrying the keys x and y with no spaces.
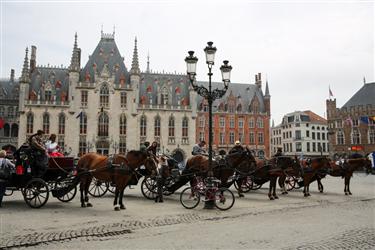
{"x":210,"y":95}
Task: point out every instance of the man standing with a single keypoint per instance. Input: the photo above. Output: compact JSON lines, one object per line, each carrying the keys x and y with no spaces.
{"x":40,"y":153}
{"x":198,"y":149}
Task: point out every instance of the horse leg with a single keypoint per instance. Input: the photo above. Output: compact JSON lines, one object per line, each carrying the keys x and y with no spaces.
{"x":81,"y":189}
{"x":274,"y":188}
{"x":350,"y":193}
{"x":345,"y":185}
{"x":239,"y":184}
{"x":270,"y":190}
{"x":88,"y":204}
{"x":282,"y":184}
{"x":121,"y":197}
{"x":305,"y":186}
{"x":115,"y":202}
{"x":320,"y":185}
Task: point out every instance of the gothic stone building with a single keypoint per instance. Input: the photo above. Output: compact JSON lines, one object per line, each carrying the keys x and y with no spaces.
{"x":103,"y":107}
{"x":242,"y":114}
{"x":352,"y":127}
{"x":9,"y":117}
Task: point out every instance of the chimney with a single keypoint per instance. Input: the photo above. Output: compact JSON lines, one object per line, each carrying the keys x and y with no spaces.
{"x":258,"y":80}
{"x":33,"y":58}
{"x":12,"y":75}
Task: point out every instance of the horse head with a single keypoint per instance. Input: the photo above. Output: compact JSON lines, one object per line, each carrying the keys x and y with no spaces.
{"x":358,"y":163}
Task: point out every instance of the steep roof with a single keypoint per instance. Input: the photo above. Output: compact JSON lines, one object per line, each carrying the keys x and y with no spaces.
{"x":364,"y":96}
{"x":314,"y":118}
{"x":9,"y":89}
{"x":105,"y":53}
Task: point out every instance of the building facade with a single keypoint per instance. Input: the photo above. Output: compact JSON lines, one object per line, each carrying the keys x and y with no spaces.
{"x":352,"y":127}
{"x":9,"y":115}
{"x":301,"y":133}
{"x":242,"y":114}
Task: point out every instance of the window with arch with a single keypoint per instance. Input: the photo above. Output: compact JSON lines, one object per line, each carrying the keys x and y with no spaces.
{"x":251,"y":122}
{"x":14,"y":130}
{"x":164,"y":96}
{"x":143,"y":126}
{"x":61,"y":124}
{"x":260,"y":138}
{"x":103,"y":124}
{"x":83,"y":123}
{"x":123,"y":99}
{"x":356,"y":136}
{"x":122,"y":146}
{"x":10,"y":112}
{"x":29,"y":123}
{"x":6,"y":130}
{"x":261,"y":154}
{"x":260,"y":122}
{"x":157,"y":126}
{"x":104,"y":96}
{"x":185,"y":127}
{"x":46,"y":123}
{"x":123,"y":124}
{"x":171,"y":127}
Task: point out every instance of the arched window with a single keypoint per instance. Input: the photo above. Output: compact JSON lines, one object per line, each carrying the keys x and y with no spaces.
{"x":261,"y":154}
{"x":260,"y":122}
{"x":123,"y":100}
{"x":185,"y":127}
{"x":123,"y":124}
{"x":339,"y":137}
{"x":157,"y":126}
{"x":29,"y":123}
{"x":46,"y":123}
{"x":10,"y":112}
{"x":164,"y":96}
{"x":171,"y":127}
{"x":6,"y":130}
{"x":356,"y":136}
{"x":14,"y":132}
{"x":61,"y":124}
{"x":103,"y":123}
{"x":251,"y":123}
{"x":83,"y":124}
{"x":104,"y":96}
{"x":143,"y":126}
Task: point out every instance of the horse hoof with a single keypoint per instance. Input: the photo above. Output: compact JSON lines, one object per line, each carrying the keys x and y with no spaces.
{"x":117,"y":209}
{"x":350,"y":193}
{"x":276,"y":197}
{"x":241,"y":195}
{"x":122,"y":207}
{"x":321,"y":191}
{"x":89,"y":204}
{"x":83,"y":205}
{"x":271,"y":198}
{"x":346,"y":193}
{"x":308,"y":194}
{"x":305,"y":195}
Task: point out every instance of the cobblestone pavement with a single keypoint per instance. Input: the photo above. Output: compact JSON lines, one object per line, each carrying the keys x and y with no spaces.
{"x":323,"y":221}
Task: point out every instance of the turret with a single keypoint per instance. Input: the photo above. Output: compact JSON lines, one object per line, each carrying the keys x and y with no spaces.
{"x":33,"y":59}
{"x":75,"y":60}
{"x":24,"y":83}
{"x":74,"y":69}
{"x":135,"y":77}
{"x":12,"y":75}
{"x":135,"y":64}
{"x":267,"y":99}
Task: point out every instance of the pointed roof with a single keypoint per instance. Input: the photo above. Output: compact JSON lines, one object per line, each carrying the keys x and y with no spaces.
{"x":364,"y":96}
{"x":74,"y":62}
{"x":25,"y":69}
{"x":135,"y":64}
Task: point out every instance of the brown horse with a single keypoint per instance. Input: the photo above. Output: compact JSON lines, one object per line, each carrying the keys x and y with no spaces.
{"x":346,"y":171}
{"x":118,"y":170}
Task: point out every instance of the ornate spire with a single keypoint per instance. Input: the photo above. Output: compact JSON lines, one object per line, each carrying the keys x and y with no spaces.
{"x":148,"y":63}
{"x":74,"y":62}
{"x":25,"y":70}
{"x":135,"y":65}
{"x":267,"y":94}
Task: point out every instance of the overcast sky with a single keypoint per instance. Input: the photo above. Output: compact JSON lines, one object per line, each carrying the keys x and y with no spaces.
{"x":301,"y":47}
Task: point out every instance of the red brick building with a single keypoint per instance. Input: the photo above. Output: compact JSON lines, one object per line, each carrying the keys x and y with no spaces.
{"x":242,"y":114}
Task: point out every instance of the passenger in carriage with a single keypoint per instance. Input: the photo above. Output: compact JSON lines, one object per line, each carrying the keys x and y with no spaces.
{"x":40,"y":153}
{"x":53,"y":147}
{"x":152,"y":149}
{"x":7,"y":168}
{"x":279,"y":152}
{"x":237,"y":148}
{"x":198,"y":149}
{"x":163,"y":172}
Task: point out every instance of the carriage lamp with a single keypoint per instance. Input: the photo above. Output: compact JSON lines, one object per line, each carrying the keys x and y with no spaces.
{"x":210,"y":95}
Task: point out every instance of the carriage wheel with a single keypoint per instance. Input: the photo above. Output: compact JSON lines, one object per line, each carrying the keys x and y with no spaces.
{"x":8,"y":192}
{"x":98,"y":188}
{"x":69,"y":196}
{"x":255,"y":185}
{"x":36,"y":193}
{"x":224,"y":199}
{"x":290,"y":183}
{"x":246,"y":185}
{"x":149,"y":188}
{"x":189,"y":199}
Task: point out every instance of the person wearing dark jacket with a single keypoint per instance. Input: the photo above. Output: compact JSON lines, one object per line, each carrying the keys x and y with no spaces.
{"x":8,"y":166}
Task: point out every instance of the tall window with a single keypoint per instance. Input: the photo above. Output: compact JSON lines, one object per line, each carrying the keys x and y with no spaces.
{"x":240,"y":137}
{"x":201,"y":121}
{"x":61,"y":142}
{"x":260,"y":122}
{"x":371,"y":135}
{"x":164,"y":96}
{"x":201,"y":136}
{"x":356,"y":136}
{"x":48,"y":95}
{"x":298,"y":147}
{"x":123,"y":124}
{"x":122,"y":145}
{"x":46,"y":123}
{"x":222,"y":122}
{"x":157,"y":126}
{"x":10,"y":112}
{"x":251,"y":123}
{"x":103,"y":123}
{"x":260,"y":138}
{"x":143,"y":126}
{"x":6,"y":130}
{"x":61,"y":124}
{"x":123,"y":99}
{"x":340,"y":137}
{"x":82,"y":146}
{"x":29,"y":123}
{"x":222,"y":138}
{"x":185,"y":127}
{"x":84,"y":98}
{"x":308,"y":146}
{"x":231,"y":122}
{"x":251,"y":138}
{"x":314,"y":147}
{"x":171,"y":127}
{"x":2,"y":111}
{"x":104,"y":96}
{"x":14,"y":132}
{"x":83,"y":124}
{"x":231,"y":137}
{"x":323,"y":136}
{"x":240,"y":122}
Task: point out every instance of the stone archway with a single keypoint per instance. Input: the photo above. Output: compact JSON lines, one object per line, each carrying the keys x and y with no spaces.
{"x":179,"y":155}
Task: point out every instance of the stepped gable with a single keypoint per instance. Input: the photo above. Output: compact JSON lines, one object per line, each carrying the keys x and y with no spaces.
{"x":152,"y":84}
{"x":364,"y":96}
{"x":246,"y":92}
{"x":49,"y":78}
{"x":106,"y":52}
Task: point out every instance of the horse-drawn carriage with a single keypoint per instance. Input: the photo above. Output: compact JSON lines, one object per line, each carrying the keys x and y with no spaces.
{"x":59,"y":179}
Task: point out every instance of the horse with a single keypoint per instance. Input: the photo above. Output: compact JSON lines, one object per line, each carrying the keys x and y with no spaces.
{"x":118,"y":169}
{"x":346,"y":171}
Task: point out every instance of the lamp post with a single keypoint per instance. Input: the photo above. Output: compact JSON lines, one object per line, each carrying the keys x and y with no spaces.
{"x":210,"y":95}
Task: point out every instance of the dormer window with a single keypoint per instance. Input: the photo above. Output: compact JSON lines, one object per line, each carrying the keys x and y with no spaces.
{"x":48,"y":95}
{"x":164,"y":96}
{"x":104,"y":96}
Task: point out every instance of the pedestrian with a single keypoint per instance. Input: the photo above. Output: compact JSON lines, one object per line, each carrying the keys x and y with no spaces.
{"x":163,"y":173}
{"x":6,"y":170}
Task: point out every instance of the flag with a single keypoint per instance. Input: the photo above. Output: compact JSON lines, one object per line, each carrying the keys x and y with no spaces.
{"x":1,"y":123}
{"x":79,"y":115}
{"x":349,"y":121}
{"x":364,"y":119}
{"x":330,"y":92}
